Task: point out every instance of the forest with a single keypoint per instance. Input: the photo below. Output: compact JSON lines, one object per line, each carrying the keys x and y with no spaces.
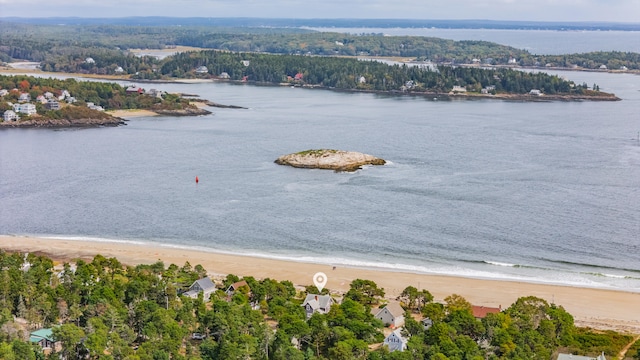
{"x":64,"y":48}
{"x":102,"y":309}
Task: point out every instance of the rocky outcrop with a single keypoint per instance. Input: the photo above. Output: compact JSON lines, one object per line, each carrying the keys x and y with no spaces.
{"x":190,"y":111}
{"x":336,"y":160}
{"x":62,"y":123}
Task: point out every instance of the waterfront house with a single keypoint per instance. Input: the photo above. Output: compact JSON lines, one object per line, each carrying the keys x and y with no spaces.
{"x":118,"y":70}
{"x":27,"y":109}
{"x":24,"y":97}
{"x":391,"y":315}
{"x":224,"y":75}
{"x":480,"y":312}
{"x":10,"y":115}
{"x":202,"y":70}
{"x":134,"y":90}
{"x":314,"y":303}
{"x":52,"y":105}
{"x":459,"y":89}
{"x":535,"y":92}
{"x":204,"y":286}
{"x":395,"y":341}
{"x":603,"y":67}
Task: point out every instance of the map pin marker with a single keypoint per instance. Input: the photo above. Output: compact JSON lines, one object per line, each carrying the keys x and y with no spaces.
{"x":320,"y":280}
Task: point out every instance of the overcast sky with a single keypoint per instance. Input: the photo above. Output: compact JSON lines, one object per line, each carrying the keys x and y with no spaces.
{"x":538,"y":10}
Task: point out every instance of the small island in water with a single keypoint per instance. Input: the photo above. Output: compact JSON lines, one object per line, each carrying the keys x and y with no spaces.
{"x":337,"y":160}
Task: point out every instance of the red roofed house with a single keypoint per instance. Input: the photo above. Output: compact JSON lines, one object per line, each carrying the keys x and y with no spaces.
{"x":480,"y":312}
{"x":298,"y":76}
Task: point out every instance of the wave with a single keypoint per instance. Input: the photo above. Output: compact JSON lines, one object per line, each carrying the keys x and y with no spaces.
{"x":455,"y":268}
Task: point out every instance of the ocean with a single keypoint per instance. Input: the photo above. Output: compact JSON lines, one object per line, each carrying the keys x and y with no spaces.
{"x":545,"y":192}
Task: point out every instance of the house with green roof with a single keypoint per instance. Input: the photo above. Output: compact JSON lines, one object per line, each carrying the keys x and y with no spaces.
{"x":44,"y":338}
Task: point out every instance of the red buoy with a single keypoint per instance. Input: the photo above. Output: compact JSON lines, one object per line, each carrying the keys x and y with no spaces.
{"x":197,"y":180}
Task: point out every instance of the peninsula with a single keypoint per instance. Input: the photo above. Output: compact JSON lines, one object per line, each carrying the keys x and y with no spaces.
{"x":336,"y":160}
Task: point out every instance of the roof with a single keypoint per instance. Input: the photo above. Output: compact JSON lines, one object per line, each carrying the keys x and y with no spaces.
{"x":239,"y":284}
{"x":38,"y":335}
{"x":205,"y":284}
{"x":318,"y":301}
{"x":398,"y":334}
{"x":481,"y":312}
{"x":579,"y":357}
{"x":394,"y":309}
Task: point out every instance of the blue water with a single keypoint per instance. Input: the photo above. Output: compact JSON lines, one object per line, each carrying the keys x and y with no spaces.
{"x":538,"y":192}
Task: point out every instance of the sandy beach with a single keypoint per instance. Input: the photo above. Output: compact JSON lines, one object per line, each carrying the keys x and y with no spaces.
{"x":596,"y":308}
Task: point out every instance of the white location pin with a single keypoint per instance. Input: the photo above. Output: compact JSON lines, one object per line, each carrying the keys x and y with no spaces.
{"x":320,"y":280}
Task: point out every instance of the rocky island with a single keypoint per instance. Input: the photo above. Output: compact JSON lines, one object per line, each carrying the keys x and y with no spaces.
{"x":337,"y":160}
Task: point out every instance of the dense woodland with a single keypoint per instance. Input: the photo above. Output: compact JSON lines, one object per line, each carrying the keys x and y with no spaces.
{"x":64,"y":48}
{"x":102,"y":309}
{"x":349,"y":74}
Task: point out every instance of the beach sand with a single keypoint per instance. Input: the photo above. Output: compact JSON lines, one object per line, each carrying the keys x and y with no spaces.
{"x":596,"y":308}
{"x":131,"y":113}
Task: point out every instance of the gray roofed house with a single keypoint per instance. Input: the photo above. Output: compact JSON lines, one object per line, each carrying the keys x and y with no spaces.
{"x":395,"y":341}
{"x":391,"y":315}
{"x":314,"y":303}
{"x":579,"y":357}
{"x":204,"y":285}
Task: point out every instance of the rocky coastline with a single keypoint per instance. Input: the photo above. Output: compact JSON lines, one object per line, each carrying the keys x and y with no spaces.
{"x":63,"y":123}
{"x":336,"y":160}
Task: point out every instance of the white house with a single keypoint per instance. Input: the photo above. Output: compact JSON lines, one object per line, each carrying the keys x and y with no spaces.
{"x":395,"y":341}
{"x":89,"y":60}
{"x":603,"y":67}
{"x":391,"y":315}
{"x":93,"y":106}
{"x":512,"y":61}
{"x":317,"y":304}
{"x":224,"y":75}
{"x":27,"y":109}
{"x":579,"y":357}
{"x":3,"y":92}
{"x":246,"y":62}
{"x":535,"y":92}
{"x":10,"y":115}
{"x":204,"y":286}
{"x":202,"y":70}
{"x":48,"y":95}
{"x":457,"y":88}
{"x":362,"y":80}
{"x":118,"y":70}
{"x":24,"y":97}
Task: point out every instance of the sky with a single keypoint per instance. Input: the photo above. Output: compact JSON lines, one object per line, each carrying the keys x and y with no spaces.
{"x":525,"y":10}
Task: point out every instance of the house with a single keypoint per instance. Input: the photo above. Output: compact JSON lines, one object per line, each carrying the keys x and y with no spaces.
{"x":235,"y":286}
{"x":480,"y":312}
{"x":246,"y":62}
{"x":391,"y":315}
{"x":24,"y":97}
{"x":202,"y":70}
{"x":314,"y":303}
{"x":603,"y":67}
{"x":63,"y":95}
{"x":395,"y":341}
{"x":48,"y":95}
{"x":578,"y":357}
{"x":52,"y":105}
{"x":512,"y":61}
{"x":41,"y":99}
{"x":118,"y":70}
{"x":535,"y":92}
{"x":298,"y":76}
{"x":155,"y":93}
{"x":134,"y":90}
{"x":10,"y":115}
{"x":204,"y":286}
{"x":362,"y":80}
{"x":27,"y":109}
{"x":71,"y":100}
{"x":44,"y":338}
{"x":338,"y":43}
{"x":623,"y":68}
{"x":427,"y":323}
{"x":224,"y":75}
{"x":89,"y":60}
{"x":93,"y":106}
{"x":3,"y":92}
{"x":460,"y":89}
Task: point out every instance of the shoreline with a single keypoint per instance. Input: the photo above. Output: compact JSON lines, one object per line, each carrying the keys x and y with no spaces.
{"x":591,"y":307}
